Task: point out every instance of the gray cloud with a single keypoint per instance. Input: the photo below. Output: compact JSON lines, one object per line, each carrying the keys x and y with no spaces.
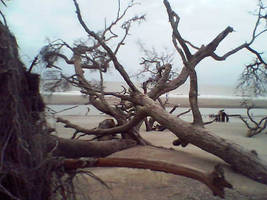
{"x":201,"y":21}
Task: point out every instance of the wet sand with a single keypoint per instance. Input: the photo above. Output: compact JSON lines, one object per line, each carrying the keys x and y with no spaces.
{"x":136,"y":184}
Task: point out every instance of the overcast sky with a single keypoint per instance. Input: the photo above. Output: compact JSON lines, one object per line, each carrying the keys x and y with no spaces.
{"x":33,"y":21}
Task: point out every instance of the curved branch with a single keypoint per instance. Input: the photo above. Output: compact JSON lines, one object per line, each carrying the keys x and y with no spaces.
{"x":250,"y":117}
{"x":214,"y":180}
{"x":211,"y":47}
{"x":246,"y":45}
{"x":257,"y":54}
{"x":262,"y":120}
{"x":123,"y":97}
{"x":226,"y":55}
{"x":173,"y":84}
{"x":98,"y":131}
{"x":118,"y":18}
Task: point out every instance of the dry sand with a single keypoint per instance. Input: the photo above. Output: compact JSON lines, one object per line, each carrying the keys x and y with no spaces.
{"x":136,"y":184}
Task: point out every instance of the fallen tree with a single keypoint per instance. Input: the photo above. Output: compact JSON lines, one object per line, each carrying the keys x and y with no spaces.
{"x":31,"y":163}
{"x":135,"y":106}
{"x":23,"y":125}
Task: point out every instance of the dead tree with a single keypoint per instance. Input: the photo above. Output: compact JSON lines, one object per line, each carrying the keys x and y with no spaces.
{"x":99,"y":55}
{"x":137,"y":106}
{"x":29,"y":166}
{"x":21,"y":108}
{"x":144,"y":104}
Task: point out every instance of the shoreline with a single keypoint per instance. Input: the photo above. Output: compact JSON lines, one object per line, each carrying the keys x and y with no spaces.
{"x":204,"y":101}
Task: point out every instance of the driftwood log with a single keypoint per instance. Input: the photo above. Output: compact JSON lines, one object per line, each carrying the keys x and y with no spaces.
{"x":214,"y":180}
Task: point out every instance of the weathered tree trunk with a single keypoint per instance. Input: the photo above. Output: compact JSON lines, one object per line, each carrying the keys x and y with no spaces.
{"x":241,"y":160}
{"x":82,"y":148}
{"x":193,"y":98}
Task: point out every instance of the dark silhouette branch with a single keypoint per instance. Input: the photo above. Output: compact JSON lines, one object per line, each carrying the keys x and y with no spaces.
{"x":34,"y":62}
{"x":258,"y":56}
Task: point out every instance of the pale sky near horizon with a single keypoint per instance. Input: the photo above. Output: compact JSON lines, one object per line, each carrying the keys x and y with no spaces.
{"x":201,"y":21}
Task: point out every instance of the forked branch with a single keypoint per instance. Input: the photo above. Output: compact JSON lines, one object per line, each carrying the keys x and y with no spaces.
{"x":255,"y":34}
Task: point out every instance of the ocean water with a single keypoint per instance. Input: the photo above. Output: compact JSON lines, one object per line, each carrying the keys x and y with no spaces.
{"x":90,"y":110}
{"x":182,"y":90}
{"x":214,"y":97}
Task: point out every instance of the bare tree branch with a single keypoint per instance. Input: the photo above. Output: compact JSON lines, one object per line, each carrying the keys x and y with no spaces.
{"x":97,"y":131}
{"x":174,"y":21}
{"x":116,"y":63}
{"x":253,"y":38}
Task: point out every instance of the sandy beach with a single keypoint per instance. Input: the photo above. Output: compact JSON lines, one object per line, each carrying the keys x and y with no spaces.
{"x":136,"y":184}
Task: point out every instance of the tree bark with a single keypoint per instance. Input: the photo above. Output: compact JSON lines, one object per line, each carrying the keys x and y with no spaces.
{"x":69,"y":148}
{"x":214,"y":180}
{"x":241,"y":160}
{"x":193,"y":98}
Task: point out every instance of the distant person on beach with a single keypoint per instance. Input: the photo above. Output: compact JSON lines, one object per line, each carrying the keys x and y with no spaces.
{"x":222,"y":116}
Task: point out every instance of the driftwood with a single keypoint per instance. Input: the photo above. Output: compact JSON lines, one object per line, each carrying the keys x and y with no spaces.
{"x":214,"y":180}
